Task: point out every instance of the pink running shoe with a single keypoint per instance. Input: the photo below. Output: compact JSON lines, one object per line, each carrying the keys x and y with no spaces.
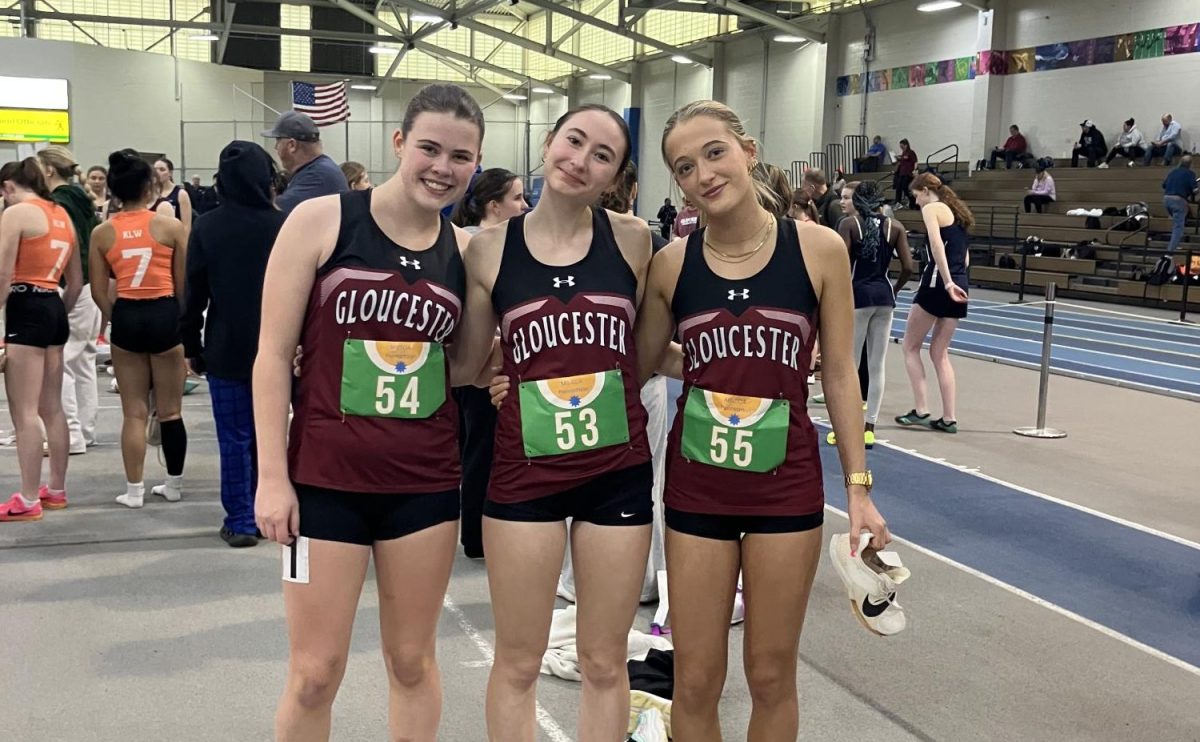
{"x":52,"y":500}
{"x":15,"y":509}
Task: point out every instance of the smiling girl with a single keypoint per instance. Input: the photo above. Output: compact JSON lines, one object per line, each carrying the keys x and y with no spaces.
{"x":564,"y":282}
{"x":372,"y":283}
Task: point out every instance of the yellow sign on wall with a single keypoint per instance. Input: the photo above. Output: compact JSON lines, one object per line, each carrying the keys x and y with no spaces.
{"x":23,"y":125}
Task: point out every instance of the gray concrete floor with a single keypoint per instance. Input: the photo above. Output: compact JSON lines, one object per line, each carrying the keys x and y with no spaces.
{"x":142,"y":625}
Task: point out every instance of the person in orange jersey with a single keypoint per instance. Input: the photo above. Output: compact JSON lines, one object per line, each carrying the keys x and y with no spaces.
{"x":145,"y":253}
{"x":37,"y":250}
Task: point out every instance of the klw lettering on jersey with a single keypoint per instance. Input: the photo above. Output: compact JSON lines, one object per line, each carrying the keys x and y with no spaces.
{"x":781,"y":338}
{"x":131,"y":234}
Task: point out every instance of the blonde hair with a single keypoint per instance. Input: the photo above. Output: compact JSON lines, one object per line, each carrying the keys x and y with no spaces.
{"x":60,"y":160}
{"x":771,"y":200}
{"x":930,"y":182}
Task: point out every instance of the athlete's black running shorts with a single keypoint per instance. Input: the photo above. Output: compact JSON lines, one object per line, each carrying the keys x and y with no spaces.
{"x":617,"y":498}
{"x":145,"y":325}
{"x":35,"y":316}
{"x":367,"y":517}
{"x":731,"y":527}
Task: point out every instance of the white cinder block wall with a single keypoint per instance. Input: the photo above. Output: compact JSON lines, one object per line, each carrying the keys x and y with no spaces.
{"x":666,"y":87}
{"x":1051,"y":104}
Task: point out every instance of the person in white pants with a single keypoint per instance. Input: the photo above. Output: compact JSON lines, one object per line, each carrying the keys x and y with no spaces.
{"x":654,"y":399}
{"x":79,"y":396}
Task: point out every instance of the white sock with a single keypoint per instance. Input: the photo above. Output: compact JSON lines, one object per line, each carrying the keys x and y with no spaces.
{"x":29,"y":503}
{"x":171,"y":489}
{"x":134,"y":493}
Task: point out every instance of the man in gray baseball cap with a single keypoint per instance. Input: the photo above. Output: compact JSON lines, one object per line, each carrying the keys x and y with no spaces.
{"x":310,"y":172}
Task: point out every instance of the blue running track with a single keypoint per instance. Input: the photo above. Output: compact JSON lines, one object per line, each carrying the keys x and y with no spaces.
{"x":1146,"y":354}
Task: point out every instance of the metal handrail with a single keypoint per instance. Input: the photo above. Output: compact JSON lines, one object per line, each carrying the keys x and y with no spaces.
{"x":819,"y":160}
{"x":855,"y":146}
{"x":929,"y":164}
{"x":836,"y":156}
{"x":799,"y":168}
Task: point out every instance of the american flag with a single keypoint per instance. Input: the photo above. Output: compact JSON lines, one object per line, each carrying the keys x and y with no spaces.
{"x":324,"y":104}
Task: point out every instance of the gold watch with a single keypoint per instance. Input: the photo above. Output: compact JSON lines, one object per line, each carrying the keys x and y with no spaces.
{"x":861,"y":478}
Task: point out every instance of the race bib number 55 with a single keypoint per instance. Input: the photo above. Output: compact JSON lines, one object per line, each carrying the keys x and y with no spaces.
{"x":573,"y":413}
{"x":735,"y":432}
{"x":386,"y":379}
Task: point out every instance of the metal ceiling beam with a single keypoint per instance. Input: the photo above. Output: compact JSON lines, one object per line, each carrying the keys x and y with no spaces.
{"x":453,"y":18}
{"x":473,"y":76}
{"x":228,"y":10}
{"x":513,"y":39}
{"x":428,"y":48}
{"x":767,"y":19}
{"x":573,"y":29}
{"x":630,"y":34}
{"x":391,"y":70}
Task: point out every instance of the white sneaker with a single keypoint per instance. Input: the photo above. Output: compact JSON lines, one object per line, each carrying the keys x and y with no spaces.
{"x":565,"y":592}
{"x":1130,"y":164}
{"x":650,"y":727}
{"x":1103,"y":166}
{"x":871,"y":579}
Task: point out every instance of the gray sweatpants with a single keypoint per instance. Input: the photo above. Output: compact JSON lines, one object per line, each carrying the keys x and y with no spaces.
{"x":873,"y":326}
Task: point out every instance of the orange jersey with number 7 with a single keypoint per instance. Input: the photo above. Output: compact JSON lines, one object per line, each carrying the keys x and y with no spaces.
{"x":140,"y":263}
{"x":41,"y":259}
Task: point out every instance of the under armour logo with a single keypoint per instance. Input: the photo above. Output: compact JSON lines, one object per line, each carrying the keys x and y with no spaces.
{"x":560,"y":282}
{"x":743,"y":294}
{"x":416,"y":264}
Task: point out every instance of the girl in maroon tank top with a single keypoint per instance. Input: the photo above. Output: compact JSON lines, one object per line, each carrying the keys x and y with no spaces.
{"x":563,"y":284}
{"x":747,"y":295}
{"x":372,"y":284}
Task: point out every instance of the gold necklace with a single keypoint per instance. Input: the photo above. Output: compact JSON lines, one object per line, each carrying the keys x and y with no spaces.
{"x":740,"y":257}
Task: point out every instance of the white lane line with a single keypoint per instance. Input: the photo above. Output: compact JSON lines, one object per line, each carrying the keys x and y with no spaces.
{"x":544,"y":719}
{"x":1110,"y":633}
{"x":1026,"y":490}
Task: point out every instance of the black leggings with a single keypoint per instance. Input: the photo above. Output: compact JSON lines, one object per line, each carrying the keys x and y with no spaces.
{"x":1130,"y":153}
{"x":1038,"y":200}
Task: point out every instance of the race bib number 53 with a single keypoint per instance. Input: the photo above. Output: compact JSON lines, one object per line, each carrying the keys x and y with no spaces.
{"x":735,"y":432}
{"x":386,"y":379}
{"x":573,"y":413}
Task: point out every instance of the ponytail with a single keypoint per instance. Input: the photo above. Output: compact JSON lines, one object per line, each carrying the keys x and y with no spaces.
{"x":766,"y":189}
{"x":867,"y":200}
{"x":26,"y":173}
{"x":491,"y":185}
{"x":930,"y":182}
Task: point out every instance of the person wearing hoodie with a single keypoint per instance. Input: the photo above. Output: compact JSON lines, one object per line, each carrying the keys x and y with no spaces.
{"x":1091,"y":145}
{"x":226,"y":262}
{"x":79,"y":395}
{"x":1131,"y":144}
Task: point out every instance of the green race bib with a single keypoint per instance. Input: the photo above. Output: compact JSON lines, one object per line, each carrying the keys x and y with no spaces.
{"x":386,"y":379}
{"x":735,"y":432}
{"x":573,"y":413}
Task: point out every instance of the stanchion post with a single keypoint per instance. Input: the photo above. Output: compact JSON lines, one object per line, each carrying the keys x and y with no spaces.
{"x":1024,"y":262}
{"x":1187,"y":281}
{"x":1040,"y":430}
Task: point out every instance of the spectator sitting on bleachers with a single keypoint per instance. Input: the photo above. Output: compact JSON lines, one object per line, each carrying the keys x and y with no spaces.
{"x":1041,"y":192}
{"x":1091,"y":145}
{"x":1131,"y":144}
{"x":1167,"y":144}
{"x":877,"y":155}
{"x":1013,"y":148}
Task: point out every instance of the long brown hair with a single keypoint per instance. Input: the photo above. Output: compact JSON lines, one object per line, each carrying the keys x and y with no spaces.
{"x":28,"y":174}
{"x":930,"y":182}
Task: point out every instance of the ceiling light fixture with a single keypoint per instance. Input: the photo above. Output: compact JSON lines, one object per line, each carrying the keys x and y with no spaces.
{"x":515,"y":96}
{"x":543,"y":91}
{"x":936,"y":5}
{"x":422,"y":18}
{"x":383,"y":50}
{"x":363,"y":86}
{"x":787,"y":39}
{"x":680,"y":59}
{"x":599,"y":77}
{"x":205,"y":37}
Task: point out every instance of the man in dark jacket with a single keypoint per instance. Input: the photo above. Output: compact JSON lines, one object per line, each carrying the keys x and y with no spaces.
{"x":828,"y":203}
{"x":1091,"y":145}
{"x":666,"y":218}
{"x":226,"y":263}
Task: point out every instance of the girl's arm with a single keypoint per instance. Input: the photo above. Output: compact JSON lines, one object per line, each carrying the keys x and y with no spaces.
{"x":73,"y":273}
{"x":98,"y":270}
{"x":655,"y":323}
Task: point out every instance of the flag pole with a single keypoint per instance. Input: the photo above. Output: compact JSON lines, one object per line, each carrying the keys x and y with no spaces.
{"x":346,"y":90}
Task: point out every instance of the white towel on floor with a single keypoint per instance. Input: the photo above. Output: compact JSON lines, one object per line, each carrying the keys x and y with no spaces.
{"x":562,"y":656}
{"x":1085,"y":212}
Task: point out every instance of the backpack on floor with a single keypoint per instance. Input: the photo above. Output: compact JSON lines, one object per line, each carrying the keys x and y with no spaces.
{"x":1162,"y":272}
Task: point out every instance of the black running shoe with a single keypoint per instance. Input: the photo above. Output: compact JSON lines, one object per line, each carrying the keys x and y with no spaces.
{"x":238,"y":540}
{"x":945,"y":426}
{"x":912,"y":418}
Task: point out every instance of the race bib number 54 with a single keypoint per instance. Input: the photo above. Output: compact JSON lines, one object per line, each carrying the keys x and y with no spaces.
{"x":573,"y":413}
{"x":386,"y":379}
{"x":735,"y":432}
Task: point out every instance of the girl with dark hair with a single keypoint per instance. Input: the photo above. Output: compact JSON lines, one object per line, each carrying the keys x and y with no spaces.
{"x":37,"y":249}
{"x":97,"y":189}
{"x":803,"y":209}
{"x":372,"y":284}
{"x":563,"y":281}
{"x":872,"y":240}
{"x":494,"y":196}
{"x":145,"y":253}
{"x":906,"y":163}
{"x":941,"y":299}
{"x":171,"y":199}
{"x":744,"y":481}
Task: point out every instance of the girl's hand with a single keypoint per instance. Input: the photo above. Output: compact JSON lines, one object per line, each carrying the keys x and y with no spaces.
{"x":956,"y":293}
